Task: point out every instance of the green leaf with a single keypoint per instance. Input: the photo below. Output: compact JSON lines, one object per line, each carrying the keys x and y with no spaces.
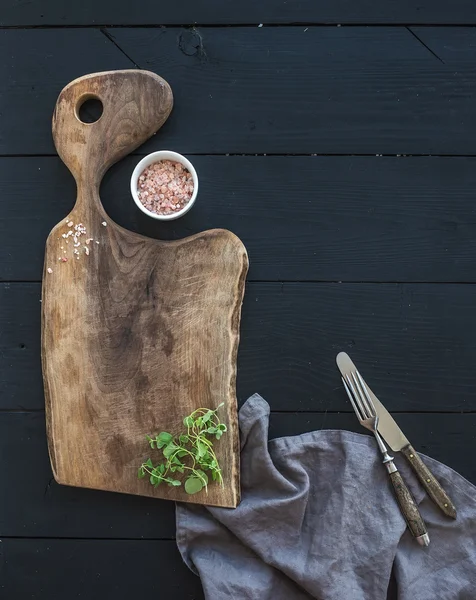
{"x":163,"y":439}
{"x":184,"y":439}
{"x":198,"y":422}
{"x":188,"y":421}
{"x":193,"y":485}
{"x":161,"y":469}
{"x":212,"y":430}
{"x":222,"y":427}
{"x":218,"y":435}
{"x":174,"y":482}
{"x":207,"y":416}
{"x":206,"y":460}
{"x":154,"y":480}
{"x":141,"y":473}
{"x":149,"y":463}
{"x":219,"y":406}
{"x":182,"y":453}
{"x":203,"y":476}
{"x":181,"y":469}
{"x":202,"y":449}
{"x":170,"y":449}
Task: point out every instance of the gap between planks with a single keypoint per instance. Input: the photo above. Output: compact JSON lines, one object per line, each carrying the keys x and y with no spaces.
{"x":239,"y":25}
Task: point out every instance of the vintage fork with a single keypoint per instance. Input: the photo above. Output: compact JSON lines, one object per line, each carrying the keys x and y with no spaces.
{"x":365,"y":410}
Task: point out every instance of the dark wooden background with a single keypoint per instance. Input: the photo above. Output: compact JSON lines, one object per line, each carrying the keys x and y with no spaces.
{"x":338,"y":141}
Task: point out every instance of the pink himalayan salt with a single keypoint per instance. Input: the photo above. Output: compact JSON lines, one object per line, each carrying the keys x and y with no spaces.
{"x":165,"y":187}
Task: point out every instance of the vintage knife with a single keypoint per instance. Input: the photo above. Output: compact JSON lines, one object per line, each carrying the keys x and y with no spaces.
{"x":397,"y":441}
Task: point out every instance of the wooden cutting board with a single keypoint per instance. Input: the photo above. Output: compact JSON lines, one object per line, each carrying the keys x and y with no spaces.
{"x":136,"y":332}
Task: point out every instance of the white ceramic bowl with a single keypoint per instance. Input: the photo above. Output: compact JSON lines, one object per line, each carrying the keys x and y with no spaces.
{"x":156,"y":157}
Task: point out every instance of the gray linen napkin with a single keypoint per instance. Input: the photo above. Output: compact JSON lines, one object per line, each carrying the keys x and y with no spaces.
{"x":318,"y":520}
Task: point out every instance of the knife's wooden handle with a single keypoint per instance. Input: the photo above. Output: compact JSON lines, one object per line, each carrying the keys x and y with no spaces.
{"x":409,"y":508}
{"x":429,"y":482}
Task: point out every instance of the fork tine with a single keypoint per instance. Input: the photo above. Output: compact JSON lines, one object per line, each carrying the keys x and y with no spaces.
{"x":354,"y":405}
{"x":366,"y":408}
{"x":367,"y":395}
{"x":357,"y":399}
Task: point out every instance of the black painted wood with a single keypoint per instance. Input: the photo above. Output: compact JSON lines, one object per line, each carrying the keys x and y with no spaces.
{"x":327,"y":90}
{"x":324,"y":90}
{"x":229,"y":12}
{"x":414,"y":343}
{"x":34,"y":505}
{"x":273,"y":90}
{"x":301,"y":218}
{"x":94,"y":569}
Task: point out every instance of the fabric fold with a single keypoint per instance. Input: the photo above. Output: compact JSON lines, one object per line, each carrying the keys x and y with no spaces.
{"x":318,"y":519}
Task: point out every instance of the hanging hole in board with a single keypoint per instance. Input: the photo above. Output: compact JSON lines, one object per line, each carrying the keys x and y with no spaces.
{"x":89,"y":109}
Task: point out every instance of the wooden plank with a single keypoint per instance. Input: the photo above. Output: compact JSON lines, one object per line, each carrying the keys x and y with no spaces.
{"x":414,"y":344}
{"x":301,"y":218}
{"x":21,"y":384}
{"x":98,"y":569}
{"x":326,"y":90}
{"x":227,"y":12}
{"x":34,"y":505}
{"x":95,"y":569}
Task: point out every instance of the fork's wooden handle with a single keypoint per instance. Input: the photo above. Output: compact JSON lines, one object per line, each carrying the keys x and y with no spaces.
{"x":429,"y":482}
{"x":409,"y":509}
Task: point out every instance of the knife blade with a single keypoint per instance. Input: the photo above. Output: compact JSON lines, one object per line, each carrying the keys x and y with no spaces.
{"x":398,"y":442}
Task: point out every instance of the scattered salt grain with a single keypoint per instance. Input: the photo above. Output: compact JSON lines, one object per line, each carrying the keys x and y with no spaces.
{"x":165,"y":187}
{"x":97,"y":242}
{"x":104,"y":223}
{"x":50,"y":270}
{"x":64,"y":259}
{"x":70,"y":224}
{"x":86,"y":249}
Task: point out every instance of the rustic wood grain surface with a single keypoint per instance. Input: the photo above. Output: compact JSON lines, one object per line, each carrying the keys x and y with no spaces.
{"x":408,"y":505}
{"x":432,"y":486}
{"x":136,"y":333}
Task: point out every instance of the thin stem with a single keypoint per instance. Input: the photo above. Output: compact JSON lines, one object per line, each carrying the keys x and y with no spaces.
{"x":197,"y":434}
{"x":146,"y":469}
